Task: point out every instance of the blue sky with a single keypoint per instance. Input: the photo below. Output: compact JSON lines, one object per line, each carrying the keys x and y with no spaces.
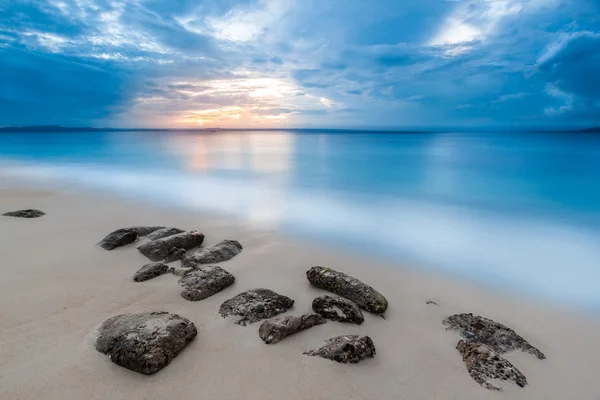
{"x":300,"y":63}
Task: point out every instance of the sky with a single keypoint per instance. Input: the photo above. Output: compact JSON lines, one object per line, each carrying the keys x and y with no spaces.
{"x":389,"y":64}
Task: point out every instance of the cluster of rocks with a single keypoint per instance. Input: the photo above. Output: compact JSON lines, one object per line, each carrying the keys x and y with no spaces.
{"x":29,"y":213}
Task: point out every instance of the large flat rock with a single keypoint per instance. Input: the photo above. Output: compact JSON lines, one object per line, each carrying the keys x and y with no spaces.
{"x":198,"y":284}
{"x":160,"y":249}
{"x":223,"y":251}
{"x":255,"y":305}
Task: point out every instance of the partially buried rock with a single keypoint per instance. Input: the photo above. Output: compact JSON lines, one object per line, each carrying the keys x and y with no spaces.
{"x":145,"y":342}
{"x":158,"y":250}
{"x":124,"y":236}
{"x":349,"y":287}
{"x":346,"y":349}
{"x":497,"y":336}
{"x":30,"y":213}
{"x":220,"y":252}
{"x":273,"y":330}
{"x":163,"y":233}
{"x":338,"y":309}
{"x":204,"y":282}
{"x":254,"y":305}
{"x":150,"y":271}
{"x":483,"y":364}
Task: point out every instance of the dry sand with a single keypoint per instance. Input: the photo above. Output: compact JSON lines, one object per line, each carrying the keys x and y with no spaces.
{"x":56,"y":287}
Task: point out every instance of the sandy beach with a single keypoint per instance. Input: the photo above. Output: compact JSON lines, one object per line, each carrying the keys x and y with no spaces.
{"x":56,"y":287}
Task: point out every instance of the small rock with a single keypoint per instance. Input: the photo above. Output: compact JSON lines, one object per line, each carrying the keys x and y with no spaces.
{"x":30,"y":213}
{"x":483,"y":363}
{"x":254,"y":305}
{"x":150,"y":271}
{"x":158,"y":250}
{"x":204,"y":282}
{"x":124,"y":236}
{"x":180,"y":271}
{"x":223,"y":251}
{"x":145,"y":342}
{"x":431,"y":303}
{"x":338,"y":309}
{"x":346,"y":286}
{"x":163,"y":233}
{"x":346,"y":349}
{"x":275,"y":329}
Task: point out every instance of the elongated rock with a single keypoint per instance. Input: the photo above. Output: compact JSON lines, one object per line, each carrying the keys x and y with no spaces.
{"x":338,"y":309}
{"x":150,"y":271}
{"x":124,"y":236}
{"x":223,"y":251}
{"x":346,"y":349}
{"x":158,"y":250}
{"x":349,"y":287}
{"x":146,"y":342}
{"x":254,"y":305}
{"x":204,"y":282}
{"x":275,"y":329}
{"x":163,"y":233}
{"x":29,"y":213}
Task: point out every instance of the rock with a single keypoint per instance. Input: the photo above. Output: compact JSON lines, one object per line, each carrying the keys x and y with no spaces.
{"x":254,"y":305}
{"x":30,"y":213}
{"x":431,"y":303}
{"x":163,"y":233}
{"x":124,"y":236}
{"x":180,"y":271}
{"x":483,"y":363}
{"x":275,"y":329}
{"x":150,"y":271}
{"x":220,"y":252}
{"x":145,"y":342}
{"x":204,"y":282}
{"x":338,"y":309}
{"x":497,"y":336}
{"x":346,"y":349}
{"x":175,"y":254}
{"x":158,"y":250}
{"x":346,"y":286}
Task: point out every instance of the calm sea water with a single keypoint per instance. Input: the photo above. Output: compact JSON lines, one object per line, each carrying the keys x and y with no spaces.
{"x":521,"y":210}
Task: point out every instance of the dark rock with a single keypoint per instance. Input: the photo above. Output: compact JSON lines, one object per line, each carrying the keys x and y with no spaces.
{"x":254,"y":305}
{"x":204,"y":282}
{"x":175,"y":254}
{"x":483,"y":363}
{"x":431,"y":303}
{"x":124,"y":236}
{"x":158,"y":250}
{"x":30,"y":213}
{"x":163,"y":233}
{"x":275,"y":329}
{"x":338,"y":309}
{"x":346,"y":286}
{"x":150,"y":271}
{"x":346,"y":349}
{"x":220,"y":252}
{"x":497,"y":336}
{"x":145,"y":342}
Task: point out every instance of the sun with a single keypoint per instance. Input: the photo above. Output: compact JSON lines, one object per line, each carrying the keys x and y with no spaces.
{"x":200,"y":122}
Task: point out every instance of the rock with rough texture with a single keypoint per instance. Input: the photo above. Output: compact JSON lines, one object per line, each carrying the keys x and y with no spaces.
{"x":346,"y":349}
{"x":204,"y":282}
{"x":150,"y":271}
{"x":145,"y":342}
{"x":497,"y":336}
{"x":175,"y":255}
{"x":124,"y":236}
{"x":275,"y":329}
{"x":29,"y":213}
{"x":483,"y":364}
{"x":349,"y":287}
{"x":180,"y":271}
{"x":220,"y":252}
{"x":163,"y":233}
{"x":338,"y":309}
{"x":158,"y":250}
{"x":254,"y":305}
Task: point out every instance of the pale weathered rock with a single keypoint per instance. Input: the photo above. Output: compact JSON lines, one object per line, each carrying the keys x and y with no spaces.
{"x":223,"y":251}
{"x":338,"y":309}
{"x":204,"y":282}
{"x":163,"y":233}
{"x":150,"y":271}
{"x":275,"y":329}
{"x":497,"y":336}
{"x":180,"y":271}
{"x":124,"y":236}
{"x":254,"y":305}
{"x":145,"y":342}
{"x":346,"y":349}
{"x":483,"y":364}
{"x":346,"y":286}
{"x":158,"y":250}
{"x":29,"y":213}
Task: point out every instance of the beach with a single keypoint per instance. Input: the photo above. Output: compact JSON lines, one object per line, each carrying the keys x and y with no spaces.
{"x":57,"y":287}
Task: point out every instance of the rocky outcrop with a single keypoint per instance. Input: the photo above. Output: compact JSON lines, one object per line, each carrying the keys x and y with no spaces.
{"x":346,"y":349}
{"x":124,"y":236}
{"x":275,"y":329}
{"x":223,"y":251}
{"x":29,"y":213}
{"x":346,"y":286}
{"x":150,"y":271}
{"x":338,"y":309}
{"x":255,"y":305}
{"x":158,"y":250}
{"x":145,"y":342}
{"x":163,"y":233}
{"x":204,"y":282}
